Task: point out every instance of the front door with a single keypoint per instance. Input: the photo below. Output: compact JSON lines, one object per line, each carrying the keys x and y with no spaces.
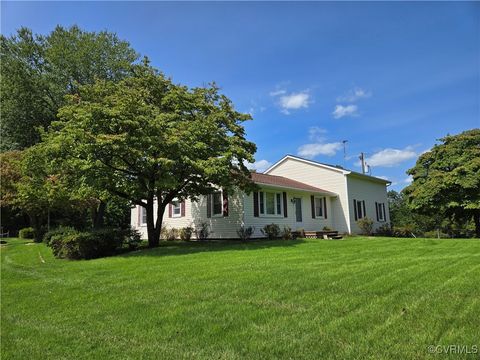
{"x":298,"y":211}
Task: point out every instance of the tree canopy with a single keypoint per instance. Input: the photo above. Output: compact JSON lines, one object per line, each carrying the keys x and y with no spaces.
{"x":38,"y":71}
{"x":146,"y":138}
{"x":446,"y":179}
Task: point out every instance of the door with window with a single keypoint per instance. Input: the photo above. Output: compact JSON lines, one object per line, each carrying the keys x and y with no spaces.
{"x":298,"y":212}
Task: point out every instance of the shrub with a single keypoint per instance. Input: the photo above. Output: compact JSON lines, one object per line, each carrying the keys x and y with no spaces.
{"x":26,"y":233}
{"x":87,"y":245}
{"x":61,"y":230}
{"x":436,"y":234}
{"x":384,"y":230}
{"x":133,"y":239}
{"x":326,"y":228}
{"x":366,"y":225}
{"x":245,"y":233}
{"x":171,"y":234}
{"x":286,"y":233}
{"x":186,"y":233}
{"x":403,"y":231}
{"x":271,"y":231}
{"x":202,"y":231}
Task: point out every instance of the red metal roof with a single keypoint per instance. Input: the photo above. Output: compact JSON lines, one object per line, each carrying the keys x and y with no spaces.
{"x":284,"y":182}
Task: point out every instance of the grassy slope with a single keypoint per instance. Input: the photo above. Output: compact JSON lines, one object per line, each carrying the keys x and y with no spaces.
{"x":363,"y":298}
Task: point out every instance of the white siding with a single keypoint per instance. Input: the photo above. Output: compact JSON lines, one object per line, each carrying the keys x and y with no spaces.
{"x":323,"y":178}
{"x":371,"y":192}
{"x":308,"y":222}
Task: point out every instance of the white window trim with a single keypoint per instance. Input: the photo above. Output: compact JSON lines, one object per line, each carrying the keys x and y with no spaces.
{"x":322,"y":204}
{"x":363,"y":209}
{"x":142,"y":211}
{"x":380,"y":209}
{"x":221,"y":202}
{"x":275,"y":204}
{"x":179,"y":208}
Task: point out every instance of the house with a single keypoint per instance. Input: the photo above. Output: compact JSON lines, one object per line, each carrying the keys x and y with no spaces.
{"x":294,"y":192}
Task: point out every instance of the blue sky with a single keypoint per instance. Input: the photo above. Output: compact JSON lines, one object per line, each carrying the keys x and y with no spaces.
{"x":388,"y":77}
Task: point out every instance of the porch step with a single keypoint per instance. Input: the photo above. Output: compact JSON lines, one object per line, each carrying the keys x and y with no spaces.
{"x":323,"y":234}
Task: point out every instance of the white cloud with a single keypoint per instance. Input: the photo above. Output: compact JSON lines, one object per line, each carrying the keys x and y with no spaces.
{"x":291,"y":101}
{"x":391,"y":157}
{"x":408,"y":179}
{"x":316,"y":133}
{"x":277,"y":92}
{"x":260,"y":165}
{"x":311,"y":150}
{"x":294,"y":101}
{"x":347,"y":110}
{"x":354,"y":95}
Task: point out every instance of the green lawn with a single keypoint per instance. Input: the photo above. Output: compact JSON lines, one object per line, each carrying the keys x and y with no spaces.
{"x":305,"y":299}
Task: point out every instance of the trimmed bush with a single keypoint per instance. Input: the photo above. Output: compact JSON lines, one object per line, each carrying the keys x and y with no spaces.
{"x":202,"y":231}
{"x":186,"y":233}
{"x":271,"y":231}
{"x":384,"y":230}
{"x":171,"y":234}
{"x":133,"y":239}
{"x":26,"y":233}
{"x":245,"y":233}
{"x":61,"y":230}
{"x":287,"y":233}
{"x":366,"y":225}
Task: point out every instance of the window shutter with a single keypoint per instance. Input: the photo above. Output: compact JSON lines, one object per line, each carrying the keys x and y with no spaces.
{"x":169,"y":210}
{"x":182,"y":209}
{"x":209,"y":205}
{"x":312,"y":200}
{"x":325,"y":207}
{"x":355,"y":209}
{"x":255,"y":204}
{"x":225,"y":203}
{"x":376,"y":210}
{"x":364,"y":212}
{"x":285,"y":214}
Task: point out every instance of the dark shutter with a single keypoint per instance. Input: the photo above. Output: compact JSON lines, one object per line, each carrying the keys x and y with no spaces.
{"x":225,"y":203}
{"x":312,"y":200}
{"x":355,"y":209}
{"x":376,"y":210}
{"x":169,"y":210}
{"x":364,"y":212}
{"x":209,"y":205}
{"x":285,"y":214}
{"x":182,"y":208}
{"x":325,"y":207}
{"x":255,"y":204}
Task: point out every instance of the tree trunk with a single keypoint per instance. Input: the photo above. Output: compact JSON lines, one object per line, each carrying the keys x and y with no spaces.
{"x":99,"y":218}
{"x":37,"y":227}
{"x":154,"y":226}
{"x":476,"y":219}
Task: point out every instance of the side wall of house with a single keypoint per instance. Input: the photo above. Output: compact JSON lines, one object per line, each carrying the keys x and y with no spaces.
{"x":308,"y":223}
{"x":323,"y":178}
{"x":371,"y":192}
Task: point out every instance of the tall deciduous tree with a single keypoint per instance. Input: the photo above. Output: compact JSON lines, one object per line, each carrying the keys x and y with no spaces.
{"x":38,"y":71}
{"x":446,"y":179}
{"x":149,"y":139}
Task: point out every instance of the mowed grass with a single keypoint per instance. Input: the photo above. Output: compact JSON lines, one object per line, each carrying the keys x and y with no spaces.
{"x":376,"y":298}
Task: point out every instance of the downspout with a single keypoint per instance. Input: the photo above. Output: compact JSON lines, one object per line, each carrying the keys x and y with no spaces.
{"x":349,"y":229}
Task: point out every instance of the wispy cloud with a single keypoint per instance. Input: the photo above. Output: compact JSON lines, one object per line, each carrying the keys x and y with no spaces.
{"x":408,"y":179}
{"x":311,"y":150}
{"x":318,"y":144}
{"x":260,"y":165}
{"x":354,"y":95}
{"x":342,"y":111}
{"x":291,"y":101}
{"x":391,"y":157}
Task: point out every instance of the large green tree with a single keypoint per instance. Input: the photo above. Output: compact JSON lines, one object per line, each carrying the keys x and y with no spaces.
{"x":146,"y":138}
{"x":38,"y":71}
{"x":446,"y":179}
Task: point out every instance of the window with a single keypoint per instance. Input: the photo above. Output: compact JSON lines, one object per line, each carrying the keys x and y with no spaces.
{"x":176,"y":208}
{"x":380,"y":209}
{"x":359,"y":208}
{"x":143,"y":215}
{"x":217,"y":204}
{"x":270,"y":203}
{"x":319,"y":207}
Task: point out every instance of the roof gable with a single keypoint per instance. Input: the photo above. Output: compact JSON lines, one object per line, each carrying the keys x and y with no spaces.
{"x":283,"y":182}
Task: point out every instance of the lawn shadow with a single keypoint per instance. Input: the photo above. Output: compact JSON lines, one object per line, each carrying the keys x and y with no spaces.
{"x":168,"y":248}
